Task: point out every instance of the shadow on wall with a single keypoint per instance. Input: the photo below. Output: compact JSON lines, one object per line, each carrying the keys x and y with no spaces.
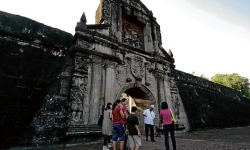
{"x":31,"y":55}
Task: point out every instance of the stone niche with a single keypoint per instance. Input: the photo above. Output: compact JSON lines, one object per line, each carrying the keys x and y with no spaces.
{"x":132,"y":33}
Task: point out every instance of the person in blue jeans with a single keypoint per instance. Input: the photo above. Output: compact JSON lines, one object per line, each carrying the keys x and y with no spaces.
{"x":118,"y":125}
{"x":167,"y":120}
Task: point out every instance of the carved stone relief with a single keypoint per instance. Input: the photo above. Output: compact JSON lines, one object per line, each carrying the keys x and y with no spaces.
{"x":175,"y":98}
{"x":176,"y":103}
{"x":121,"y":75}
{"x":132,"y":34}
{"x":172,"y":84}
{"x":106,"y":11}
{"x":81,"y":63}
{"x":137,"y":67}
{"x":76,"y":98}
{"x":79,"y":88}
{"x":138,"y":83}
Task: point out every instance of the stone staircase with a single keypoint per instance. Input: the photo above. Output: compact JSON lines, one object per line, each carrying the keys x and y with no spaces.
{"x":84,"y":133}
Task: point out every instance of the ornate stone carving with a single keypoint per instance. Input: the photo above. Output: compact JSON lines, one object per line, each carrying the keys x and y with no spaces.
{"x":81,"y":64}
{"x":121,"y":75}
{"x":138,"y":83}
{"x":137,"y":67}
{"x":132,"y":34}
{"x":106,"y":11}
{"x":76,"y":96}
{"x":172,"y":84}
{"x":176,"y":103}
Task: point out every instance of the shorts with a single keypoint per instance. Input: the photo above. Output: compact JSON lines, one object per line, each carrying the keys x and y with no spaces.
{"x":118,"y":132}
{"x":134,"y":140}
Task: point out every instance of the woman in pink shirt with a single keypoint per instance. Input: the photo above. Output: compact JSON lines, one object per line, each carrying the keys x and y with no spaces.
{"x":166,"y":116}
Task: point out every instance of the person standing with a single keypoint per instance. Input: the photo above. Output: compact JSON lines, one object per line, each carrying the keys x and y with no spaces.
{"x":149,"y":117}
{"x":107,"y":126}
{"x":125,"y":112}
{"x":133,"y":130}
{"x":167,"y":120}
{"x":118,"y":124}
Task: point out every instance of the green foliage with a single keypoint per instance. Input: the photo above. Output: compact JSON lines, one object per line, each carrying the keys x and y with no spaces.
{"x":204,"y":77}
{"x":201,"y":76}
{"x":233,"y":81}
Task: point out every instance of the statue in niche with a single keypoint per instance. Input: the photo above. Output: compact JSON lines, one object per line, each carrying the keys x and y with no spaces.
{"x":77,"y":92}
{"x":76,"y":107}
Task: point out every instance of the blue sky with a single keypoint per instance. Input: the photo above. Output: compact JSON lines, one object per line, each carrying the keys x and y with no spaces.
{"x":205,"y":36}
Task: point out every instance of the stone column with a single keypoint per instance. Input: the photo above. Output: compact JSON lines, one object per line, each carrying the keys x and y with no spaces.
{"x":160,"y":89}
{"x":167,"y":91}
{"x":96,"y":90}
{"x":110,"y":91}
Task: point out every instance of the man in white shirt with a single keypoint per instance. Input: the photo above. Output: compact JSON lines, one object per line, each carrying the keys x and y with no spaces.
{"x":149,"y":116}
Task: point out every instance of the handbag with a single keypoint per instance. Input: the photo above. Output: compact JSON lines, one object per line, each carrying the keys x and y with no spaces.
{"x":100,"y":120}
{"x":175,"y":124}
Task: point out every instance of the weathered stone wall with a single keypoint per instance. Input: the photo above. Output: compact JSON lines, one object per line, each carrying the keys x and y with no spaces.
{"x":31,"y":56}
{"x":54,"y":88}
{"x":209,"y":105}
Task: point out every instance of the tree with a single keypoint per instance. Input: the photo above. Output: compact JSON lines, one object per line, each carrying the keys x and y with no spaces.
{"x":233,"y":81}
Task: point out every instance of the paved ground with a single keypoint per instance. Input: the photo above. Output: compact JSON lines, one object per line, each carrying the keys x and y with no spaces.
{"x":226,"y":139}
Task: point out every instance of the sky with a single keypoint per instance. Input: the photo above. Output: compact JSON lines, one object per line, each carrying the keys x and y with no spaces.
{"x":205,"y":36}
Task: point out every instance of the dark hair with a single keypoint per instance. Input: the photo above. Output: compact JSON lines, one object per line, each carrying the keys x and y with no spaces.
{"x":124,"y":99}
{"x":133,"y":109}
{"x":164,"y":105}
{"x":108,"y":106}
{"x":115,"y":103}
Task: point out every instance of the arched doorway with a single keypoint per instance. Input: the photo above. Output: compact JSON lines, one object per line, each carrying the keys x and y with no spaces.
{"x":140,"y":97}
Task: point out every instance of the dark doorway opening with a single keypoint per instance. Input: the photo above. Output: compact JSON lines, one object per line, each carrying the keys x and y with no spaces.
{"x":140,"y":99}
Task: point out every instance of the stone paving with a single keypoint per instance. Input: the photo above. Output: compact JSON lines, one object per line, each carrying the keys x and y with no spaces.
{"x":219,"y":139}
